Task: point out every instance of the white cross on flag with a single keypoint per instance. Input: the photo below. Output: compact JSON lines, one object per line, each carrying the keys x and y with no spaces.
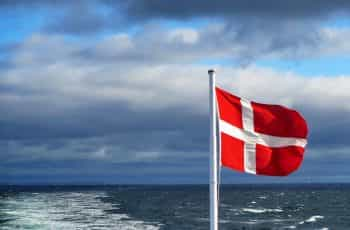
{"x":259,"y":138}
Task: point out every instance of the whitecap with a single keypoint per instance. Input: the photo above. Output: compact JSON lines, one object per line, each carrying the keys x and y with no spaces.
{"x":313,"y":219}
{"x":261,"y":210}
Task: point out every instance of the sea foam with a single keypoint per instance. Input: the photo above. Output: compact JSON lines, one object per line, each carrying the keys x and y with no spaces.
{"x":311,"y":219}
{"x":68,"y":210}
{"x":261,"y":210}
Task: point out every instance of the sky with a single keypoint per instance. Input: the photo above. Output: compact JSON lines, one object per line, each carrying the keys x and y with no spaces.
{"x":116,"y":92}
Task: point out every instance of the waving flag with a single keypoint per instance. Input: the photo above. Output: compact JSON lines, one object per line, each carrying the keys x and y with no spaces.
{"x":259,"y":138}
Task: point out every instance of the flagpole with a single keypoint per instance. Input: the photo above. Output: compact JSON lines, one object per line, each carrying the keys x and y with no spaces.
{"x":213,"y":164}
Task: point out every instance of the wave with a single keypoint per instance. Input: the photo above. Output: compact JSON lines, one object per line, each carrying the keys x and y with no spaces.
{"x":314,"y":219}
{"x":311,"y":219}
{"x":261,"y":210}
{"x":65,"y":210}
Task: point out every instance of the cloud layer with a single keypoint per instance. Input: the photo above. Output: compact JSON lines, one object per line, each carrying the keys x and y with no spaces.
{"x":84,"y":95}
{"x":61,"y":92}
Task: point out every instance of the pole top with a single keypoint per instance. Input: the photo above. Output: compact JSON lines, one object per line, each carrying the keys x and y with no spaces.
{"x":211,"y":71}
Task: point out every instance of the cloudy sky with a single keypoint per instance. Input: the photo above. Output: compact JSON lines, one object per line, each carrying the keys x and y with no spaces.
{"x":117,"y":92}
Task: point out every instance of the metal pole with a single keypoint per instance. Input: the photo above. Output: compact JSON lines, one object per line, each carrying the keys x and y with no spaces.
{"x":213,"y":164}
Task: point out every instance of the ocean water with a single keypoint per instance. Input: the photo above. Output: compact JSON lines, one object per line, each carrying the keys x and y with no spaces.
{"x":174,"y":207}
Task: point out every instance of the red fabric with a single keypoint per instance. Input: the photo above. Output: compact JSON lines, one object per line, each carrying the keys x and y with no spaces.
{"x":230,"y":108}
{"x":271,"y":120}
{"x":233,"y":148}
{"x":278,"y":120}
{"x":278,"y":161}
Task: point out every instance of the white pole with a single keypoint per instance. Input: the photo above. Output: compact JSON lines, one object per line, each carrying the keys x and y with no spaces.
{"x":213,"y":164}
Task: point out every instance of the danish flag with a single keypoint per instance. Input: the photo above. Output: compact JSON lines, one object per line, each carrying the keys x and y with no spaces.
{"x":260,"y":138}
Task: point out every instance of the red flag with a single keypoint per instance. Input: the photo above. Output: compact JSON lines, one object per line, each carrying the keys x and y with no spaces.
{"x":259,"y":138}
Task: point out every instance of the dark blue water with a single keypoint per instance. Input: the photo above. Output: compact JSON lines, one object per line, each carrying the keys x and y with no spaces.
{"x":174,"y":207}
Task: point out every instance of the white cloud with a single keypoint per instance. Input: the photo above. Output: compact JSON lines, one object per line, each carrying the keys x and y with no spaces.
{"x":115,"y":44}
{"x":100,"y":153}
{"x":70,"y":80}
{"x":38,"y":91}
{"x":187,"y":36}
{"x":334,"y":41}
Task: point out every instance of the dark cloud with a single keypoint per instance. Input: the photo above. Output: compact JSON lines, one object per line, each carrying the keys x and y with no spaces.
{"x":330,"y":129}
{"x":103,"y":120}
{"x":93,"y":17}
{"x":257,"y":27}
{"x":80,"y":18}
{"x":184,"y":9}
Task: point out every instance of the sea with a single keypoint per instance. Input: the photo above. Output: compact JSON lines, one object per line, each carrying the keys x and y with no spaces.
{"x":175,"y":207}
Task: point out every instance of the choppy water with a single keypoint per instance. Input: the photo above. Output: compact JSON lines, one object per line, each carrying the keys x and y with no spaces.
{"x":174,"y":207}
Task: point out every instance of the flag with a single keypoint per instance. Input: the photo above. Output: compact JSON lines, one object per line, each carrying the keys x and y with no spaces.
{"x":259,"y":138}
